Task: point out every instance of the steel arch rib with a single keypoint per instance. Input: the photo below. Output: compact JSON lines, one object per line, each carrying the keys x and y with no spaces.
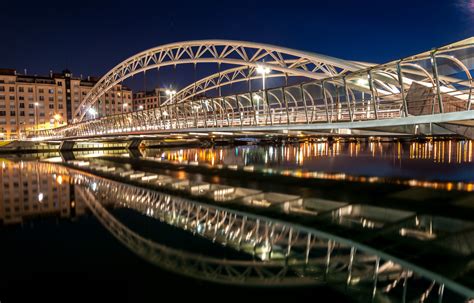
{"x":223,"y":78}
{"x":243,"y":53}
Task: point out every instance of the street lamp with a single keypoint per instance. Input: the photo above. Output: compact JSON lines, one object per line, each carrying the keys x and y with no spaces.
{"x":257,"y":98}
{"x":57,"y":118}
{"x":171,"y":93}
{"x":92,"y":112}
{"x":262,"y":70}
{"x":36,"y":114}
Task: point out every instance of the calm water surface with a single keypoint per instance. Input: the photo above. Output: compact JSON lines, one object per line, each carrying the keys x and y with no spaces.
{"x":51,"y":239}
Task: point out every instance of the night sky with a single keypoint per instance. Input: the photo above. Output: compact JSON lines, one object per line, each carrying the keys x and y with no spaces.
{"x":89,"y":38}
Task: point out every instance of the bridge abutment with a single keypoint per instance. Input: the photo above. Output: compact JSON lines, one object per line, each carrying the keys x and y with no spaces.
{"x":134,"y":144}
{"x":67,"y":146}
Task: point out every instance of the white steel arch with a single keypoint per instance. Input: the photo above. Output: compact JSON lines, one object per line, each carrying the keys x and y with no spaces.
{"x":223,"y":78}
{"x":241,"y":53}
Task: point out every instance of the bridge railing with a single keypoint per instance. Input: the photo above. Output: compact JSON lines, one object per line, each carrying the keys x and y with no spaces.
{"x":434,"y":82}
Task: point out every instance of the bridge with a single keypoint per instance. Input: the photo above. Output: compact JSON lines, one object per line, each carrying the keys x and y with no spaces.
{"x":280,"y":252}
{"x":426,"y":94}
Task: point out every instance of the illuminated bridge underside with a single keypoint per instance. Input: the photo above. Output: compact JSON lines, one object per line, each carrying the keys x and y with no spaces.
{"x":430,"y":88}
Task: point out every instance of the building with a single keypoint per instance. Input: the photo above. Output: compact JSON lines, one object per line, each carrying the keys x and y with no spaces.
{"x":29,"y":191}
{"x":28,"y":102}
{"x":149,"y":99}
{"x":118,"y":100}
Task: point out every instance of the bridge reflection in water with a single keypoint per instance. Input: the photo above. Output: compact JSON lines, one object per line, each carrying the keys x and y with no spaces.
{"x":284,"y":253}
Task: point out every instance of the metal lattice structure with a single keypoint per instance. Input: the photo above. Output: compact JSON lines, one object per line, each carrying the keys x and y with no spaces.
{"x":431,"y":87}
{"x":242,"y":53}
{"x":220,"y":79}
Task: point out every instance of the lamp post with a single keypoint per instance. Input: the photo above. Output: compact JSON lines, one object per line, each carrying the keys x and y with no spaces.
{"x":262,"y":70}
{"x":92,"y":112}
{"x":171,"y":93}
{"x":57,"y":118}
{"x":36,"y":115}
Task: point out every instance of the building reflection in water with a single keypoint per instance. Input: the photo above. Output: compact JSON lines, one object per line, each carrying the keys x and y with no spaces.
{"x":32,"y":190}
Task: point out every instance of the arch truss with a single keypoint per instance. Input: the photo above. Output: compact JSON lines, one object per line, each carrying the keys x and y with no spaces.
{"x":432,"y":87}
{"x":241,"y":53}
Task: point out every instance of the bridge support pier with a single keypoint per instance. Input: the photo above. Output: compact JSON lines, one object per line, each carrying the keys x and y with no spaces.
{"x":134,"y":144}
{"x":67,"y":155}
{"x":67,"y":146}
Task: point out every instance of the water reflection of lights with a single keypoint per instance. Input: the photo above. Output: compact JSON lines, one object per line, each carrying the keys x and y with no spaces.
{"x":442,"y":151}
{"x":438,"y":151}
{"x":263,"y":158}
{"x":265,"y":249}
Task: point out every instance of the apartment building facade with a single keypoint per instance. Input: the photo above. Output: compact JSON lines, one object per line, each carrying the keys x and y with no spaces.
{"x":149,"y":99}
{"x":29,"y":102}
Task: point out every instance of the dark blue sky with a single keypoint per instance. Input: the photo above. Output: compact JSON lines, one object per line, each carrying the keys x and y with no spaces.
{"x":89,"y":37}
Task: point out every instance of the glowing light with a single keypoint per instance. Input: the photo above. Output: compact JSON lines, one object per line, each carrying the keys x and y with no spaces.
{"x":263,"y":70}
{"x":40,"y":197}
{"x":92,"y":111}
